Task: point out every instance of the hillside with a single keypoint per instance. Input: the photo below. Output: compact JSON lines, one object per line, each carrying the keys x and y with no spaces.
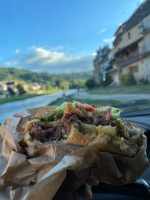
{"x":73,"y":79}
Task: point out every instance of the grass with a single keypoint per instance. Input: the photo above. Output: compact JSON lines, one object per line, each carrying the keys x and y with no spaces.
{"x":70,"y":98}
{"x":17,"y":98}
{"x":134,"y":89}
{"x":26,"y":96}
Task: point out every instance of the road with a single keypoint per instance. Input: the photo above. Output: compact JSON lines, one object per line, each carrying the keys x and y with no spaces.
{"x":123,"y":98}
{"x":9,"y":109}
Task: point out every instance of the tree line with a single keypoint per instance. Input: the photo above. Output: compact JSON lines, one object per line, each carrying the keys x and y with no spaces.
{"x":62,"y":81}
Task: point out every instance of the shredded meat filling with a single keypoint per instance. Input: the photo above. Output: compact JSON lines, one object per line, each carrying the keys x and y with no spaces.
{"x":62,"y":129}
{"x":57,"y":132}
{"x":95,"y":120}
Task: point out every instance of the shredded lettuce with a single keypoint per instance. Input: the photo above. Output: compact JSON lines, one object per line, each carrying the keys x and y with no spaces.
{"x":58,"y":112}
{"x":119,"y":121}
{"x":115,"y":112}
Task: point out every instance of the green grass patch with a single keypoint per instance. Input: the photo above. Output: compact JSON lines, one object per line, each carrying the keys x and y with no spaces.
{"x":17,"y":98}
{"x":26,"y":96}
{"x":70,"y":98}
{"x":134,"y":89}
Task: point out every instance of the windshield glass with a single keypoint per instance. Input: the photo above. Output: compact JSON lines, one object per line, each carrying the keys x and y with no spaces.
{"x":96,"y":51}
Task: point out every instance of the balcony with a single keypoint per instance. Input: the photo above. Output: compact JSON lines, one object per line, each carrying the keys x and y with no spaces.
{"x":143,"y":29}
{"x":120,"y":62}
{"x":145,"y":50}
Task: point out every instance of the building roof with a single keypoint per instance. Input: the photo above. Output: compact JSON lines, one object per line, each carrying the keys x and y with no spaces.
{"x":117,"y":38}
{"x":10,"y":83}
{"x":142,"y":11}
{"x":119,"y":28}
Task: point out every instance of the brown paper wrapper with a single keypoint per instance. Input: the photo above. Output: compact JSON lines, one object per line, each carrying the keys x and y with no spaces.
{"x":36,"y":173}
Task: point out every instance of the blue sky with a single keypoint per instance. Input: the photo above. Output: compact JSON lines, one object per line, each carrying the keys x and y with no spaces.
{"x":58,"y":36}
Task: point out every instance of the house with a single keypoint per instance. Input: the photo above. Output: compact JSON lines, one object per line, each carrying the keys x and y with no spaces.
{"x":100,"y":63}
{"x":5,"y":85}
{"x":112,"y":69}
{"x":3,"y":94}
{"x":131,"y":49}
{"x":132,"y":46}
{"x":33,"y":87}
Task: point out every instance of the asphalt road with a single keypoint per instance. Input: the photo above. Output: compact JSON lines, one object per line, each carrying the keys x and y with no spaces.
{"x":123,"y":98}
{"x":9,"y":109}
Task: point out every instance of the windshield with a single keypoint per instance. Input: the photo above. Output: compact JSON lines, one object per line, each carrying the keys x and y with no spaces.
{"x":96,"y":52}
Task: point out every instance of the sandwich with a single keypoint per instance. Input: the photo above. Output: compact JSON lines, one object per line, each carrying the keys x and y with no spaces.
{"x":81,"y":124}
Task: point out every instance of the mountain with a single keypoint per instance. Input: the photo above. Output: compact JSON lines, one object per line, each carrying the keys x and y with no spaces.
{"x":43,"y":77}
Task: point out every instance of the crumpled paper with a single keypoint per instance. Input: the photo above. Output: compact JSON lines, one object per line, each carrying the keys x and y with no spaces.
{"x":36,"y":173}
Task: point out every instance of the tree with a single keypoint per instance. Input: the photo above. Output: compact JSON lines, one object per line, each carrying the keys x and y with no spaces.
{"x":81,"y":84}
{"x":21,"y":89}
{"x":128,"y":79}
{"x":64,"y":84}
{"x":90,"y":83}
{"x":48,"y":86}
{"x":11,"y":91}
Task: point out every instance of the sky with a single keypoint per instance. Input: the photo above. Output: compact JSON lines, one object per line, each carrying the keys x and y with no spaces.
{"x":58,"y":36}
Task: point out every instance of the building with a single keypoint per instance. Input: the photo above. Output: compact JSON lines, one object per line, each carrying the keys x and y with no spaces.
{"x":5,"y":85}
{"x":3,"y":94}
{"x":132,"y":46}
{"x":100,"y":64}
{"x":32,"y":86}
{"x":131,"y":49}
{"x":112,"y":69}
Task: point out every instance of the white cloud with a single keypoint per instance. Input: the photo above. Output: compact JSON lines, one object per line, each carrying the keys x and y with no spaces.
{"x":101,"y":31}
{"x":41,"y":59}
{"x":57,"y":48}
{"x":32,"y":47}
{"x":94,"y":54}
{"x":17,"y":51}
{"x":109,"y":40}
{"x":0,"y":58}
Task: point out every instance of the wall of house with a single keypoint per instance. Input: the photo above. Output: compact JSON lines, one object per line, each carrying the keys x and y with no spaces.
{"x":140,"y":65}
{"x":147,"y":67}
{"x":146,"y":43}
{"x":97,"y":74}
{"x":134,"y":35}
{"x":146,"y":22}
{"x":115,"y":77}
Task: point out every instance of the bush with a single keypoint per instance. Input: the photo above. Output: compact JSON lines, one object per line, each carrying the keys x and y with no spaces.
{"x":143,"y":81}
{"x":90,"y":83}
{"x":128,"y":79}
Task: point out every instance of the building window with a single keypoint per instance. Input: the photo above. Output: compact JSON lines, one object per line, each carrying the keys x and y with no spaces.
{"x":129,"y":36}
{"x":140,"y":29}
{"x":134,"y":69}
